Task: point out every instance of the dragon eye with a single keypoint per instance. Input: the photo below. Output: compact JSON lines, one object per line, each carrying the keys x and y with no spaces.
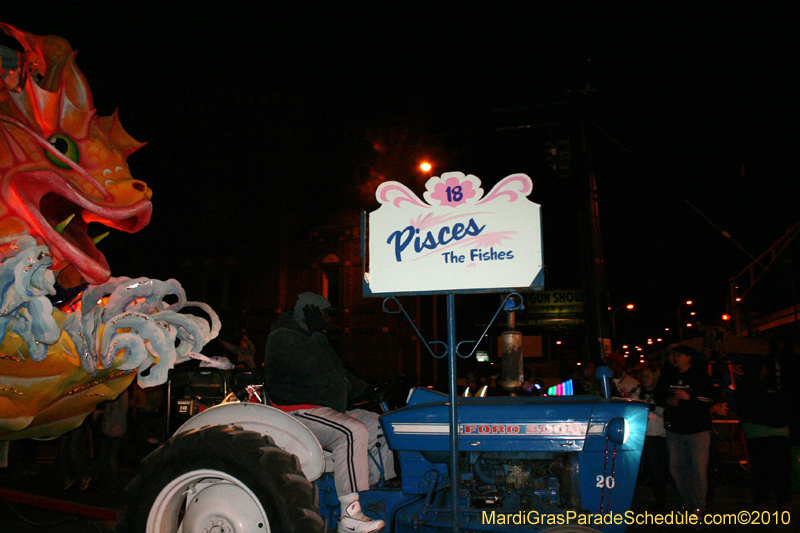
{"x":66,"y":146}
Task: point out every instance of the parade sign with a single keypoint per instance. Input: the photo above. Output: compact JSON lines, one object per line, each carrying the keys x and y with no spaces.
{"x":456,"y":239}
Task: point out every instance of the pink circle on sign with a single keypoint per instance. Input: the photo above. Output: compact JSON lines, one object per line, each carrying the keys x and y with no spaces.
{"x":453,"y":192}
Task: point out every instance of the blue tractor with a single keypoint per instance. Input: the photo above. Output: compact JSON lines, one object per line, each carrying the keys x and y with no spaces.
{"x":528,"y":462}
{"x":472,"y":464}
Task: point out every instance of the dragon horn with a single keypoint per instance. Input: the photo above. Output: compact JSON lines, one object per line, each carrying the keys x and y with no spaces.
{"x":32,"y":45}
{"x":117,"y":134}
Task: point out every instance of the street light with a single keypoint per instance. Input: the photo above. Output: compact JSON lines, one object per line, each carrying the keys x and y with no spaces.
{"x":614,"y":319}
{"x":680,"y":317}
{"x":426,"y":169}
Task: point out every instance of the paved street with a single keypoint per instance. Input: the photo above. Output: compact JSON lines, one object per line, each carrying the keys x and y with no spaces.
{"x":730,"y":494}
{"x":93,"y":510}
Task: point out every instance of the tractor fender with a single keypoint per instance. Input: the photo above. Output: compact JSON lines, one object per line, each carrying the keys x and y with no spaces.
{"x":287,"y":432}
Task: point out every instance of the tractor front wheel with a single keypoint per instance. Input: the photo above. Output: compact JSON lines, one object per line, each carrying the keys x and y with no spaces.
{"x":220,"y":479}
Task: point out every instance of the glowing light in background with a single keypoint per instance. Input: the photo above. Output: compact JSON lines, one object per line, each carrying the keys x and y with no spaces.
{"x":562,"y":389}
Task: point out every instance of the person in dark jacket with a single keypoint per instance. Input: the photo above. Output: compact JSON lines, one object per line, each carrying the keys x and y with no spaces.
{"x":687,"y":394}
{"x":305,"y":378}
{"x":764,"y":407}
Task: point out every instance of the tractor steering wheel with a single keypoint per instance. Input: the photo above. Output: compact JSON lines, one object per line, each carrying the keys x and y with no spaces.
{"x":378,"y":395}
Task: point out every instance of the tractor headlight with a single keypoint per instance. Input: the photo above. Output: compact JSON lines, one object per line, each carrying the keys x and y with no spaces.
{"x":617,"y":430}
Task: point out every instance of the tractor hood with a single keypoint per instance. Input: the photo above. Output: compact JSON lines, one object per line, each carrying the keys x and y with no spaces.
{"x":507,"y":424}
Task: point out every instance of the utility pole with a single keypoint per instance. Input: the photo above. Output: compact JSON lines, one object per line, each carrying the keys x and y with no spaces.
{"x":597,"y":330}
{"x":575,"y":165}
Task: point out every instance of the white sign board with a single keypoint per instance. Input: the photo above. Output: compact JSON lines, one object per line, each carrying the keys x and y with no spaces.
{"x":456,"y":239}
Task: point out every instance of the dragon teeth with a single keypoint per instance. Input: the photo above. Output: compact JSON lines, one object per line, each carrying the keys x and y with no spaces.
{"x":64,"y":223}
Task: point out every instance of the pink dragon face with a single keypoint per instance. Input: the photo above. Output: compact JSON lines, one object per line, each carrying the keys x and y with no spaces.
{"x":59,"y":161}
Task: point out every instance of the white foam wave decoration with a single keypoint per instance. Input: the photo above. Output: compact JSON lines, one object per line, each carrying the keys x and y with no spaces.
{"x":141,"y":329}
{"x":25,"y":282}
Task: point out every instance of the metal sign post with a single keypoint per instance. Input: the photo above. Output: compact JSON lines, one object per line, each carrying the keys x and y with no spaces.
{"x":456,"y":241}
{"x":511,"y":303}
{"x":451,"y":366}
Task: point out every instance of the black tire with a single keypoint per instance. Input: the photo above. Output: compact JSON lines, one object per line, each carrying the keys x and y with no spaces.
{"x":242,"y":458}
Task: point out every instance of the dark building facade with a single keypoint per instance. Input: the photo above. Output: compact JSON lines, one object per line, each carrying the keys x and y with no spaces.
{"x":249,"y":293}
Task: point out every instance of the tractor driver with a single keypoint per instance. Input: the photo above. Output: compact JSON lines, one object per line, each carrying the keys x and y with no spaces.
{"x":305,"y":378}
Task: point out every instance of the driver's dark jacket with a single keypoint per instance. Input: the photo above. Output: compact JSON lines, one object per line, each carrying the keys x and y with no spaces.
{"x":304,"y":369}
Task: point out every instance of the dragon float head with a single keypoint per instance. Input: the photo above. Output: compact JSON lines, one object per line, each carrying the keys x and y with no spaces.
{"x":59,"y":161}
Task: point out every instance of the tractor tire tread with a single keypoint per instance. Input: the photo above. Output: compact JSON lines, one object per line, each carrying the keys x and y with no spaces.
{"x":233,"y":450}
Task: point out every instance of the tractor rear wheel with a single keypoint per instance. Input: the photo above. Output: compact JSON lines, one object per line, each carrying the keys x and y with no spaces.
{"x":220,"y":478}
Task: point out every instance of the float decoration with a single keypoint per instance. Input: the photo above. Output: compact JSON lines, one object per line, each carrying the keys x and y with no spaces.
{"x":63,"y":167}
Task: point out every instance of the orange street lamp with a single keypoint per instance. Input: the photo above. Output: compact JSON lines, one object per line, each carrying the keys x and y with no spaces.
{"x":629,"y":307}
{"x":680,"y":317}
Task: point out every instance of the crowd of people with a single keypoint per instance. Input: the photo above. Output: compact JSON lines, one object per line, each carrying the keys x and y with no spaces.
{"x":762,"y":390}
{"x":681,"y":394}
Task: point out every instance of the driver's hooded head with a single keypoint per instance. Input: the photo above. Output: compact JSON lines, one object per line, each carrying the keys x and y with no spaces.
{"x":308,"y":298}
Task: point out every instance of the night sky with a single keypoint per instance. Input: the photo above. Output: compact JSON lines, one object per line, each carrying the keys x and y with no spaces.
{"x":244,"y":104}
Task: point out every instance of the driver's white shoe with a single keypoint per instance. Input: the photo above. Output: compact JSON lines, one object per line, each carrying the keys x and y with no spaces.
{"x":354,"y":521}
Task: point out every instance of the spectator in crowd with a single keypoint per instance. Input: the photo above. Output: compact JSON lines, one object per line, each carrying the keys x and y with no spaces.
{"x":244,"y":351}
{"x":655,"y":458}
{"x":114,"y":427}
{"x":626,"y":386}
{"x":475,"y":387}
{"x":73,"y":455}
{"x":687,"y":393}
{"x":586,"y":381}
{"x":764,"y":408}
{"x":782,"y":348}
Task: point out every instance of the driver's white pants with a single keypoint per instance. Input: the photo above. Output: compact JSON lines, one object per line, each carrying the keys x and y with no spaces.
{"x":348,"y":436}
